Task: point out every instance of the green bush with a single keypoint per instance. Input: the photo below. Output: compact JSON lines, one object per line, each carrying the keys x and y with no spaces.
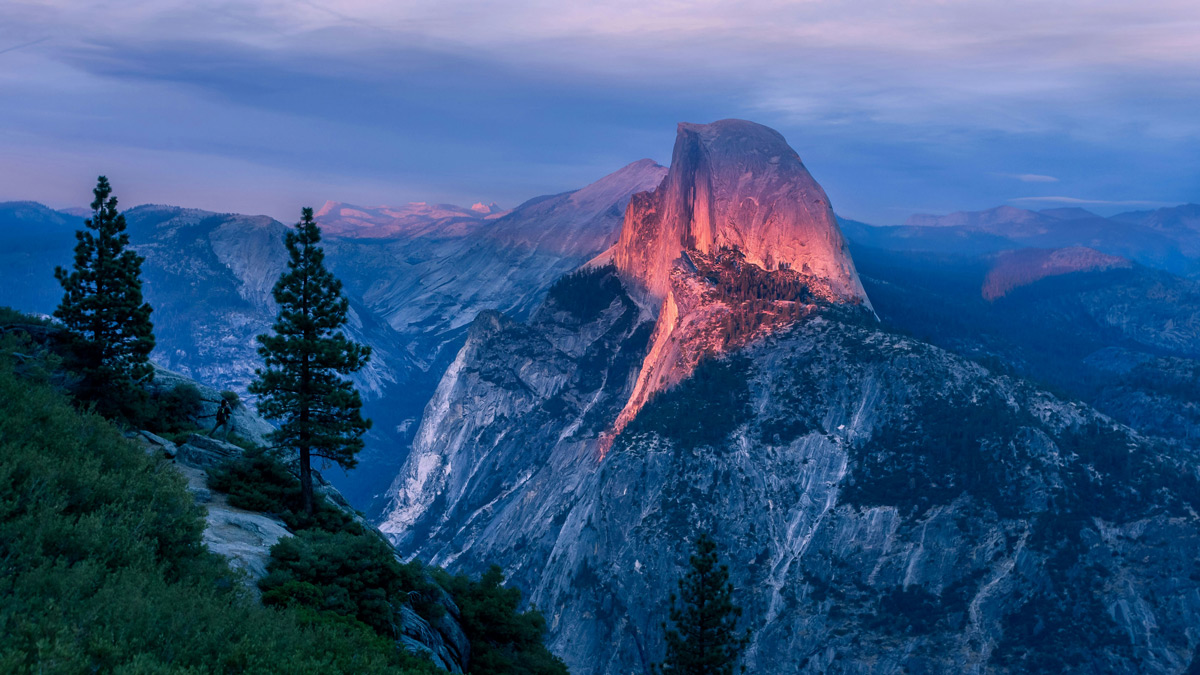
{"x":102,"y":567}
{"x":352,"y":575}
{"x":503,"y":640}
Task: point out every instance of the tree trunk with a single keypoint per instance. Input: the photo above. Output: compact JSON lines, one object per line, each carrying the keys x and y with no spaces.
{"x":306,"y":487}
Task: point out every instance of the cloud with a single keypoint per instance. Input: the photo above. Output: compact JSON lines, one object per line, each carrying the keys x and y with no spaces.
{"x":1033,"y":178}
{"x":1093,"y":202}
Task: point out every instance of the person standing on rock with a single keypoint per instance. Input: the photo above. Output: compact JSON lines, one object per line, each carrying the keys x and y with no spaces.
{"x":224,"y":415}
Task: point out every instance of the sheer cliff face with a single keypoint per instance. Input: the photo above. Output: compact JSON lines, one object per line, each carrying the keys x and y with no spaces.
{"x":736,"y":184}
{"x":734,"y":188}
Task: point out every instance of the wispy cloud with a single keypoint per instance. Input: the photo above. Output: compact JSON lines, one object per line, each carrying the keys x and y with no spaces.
{"x":23,"y":45}
{"x":1092,"y":202}
{"x":1032,"y":177}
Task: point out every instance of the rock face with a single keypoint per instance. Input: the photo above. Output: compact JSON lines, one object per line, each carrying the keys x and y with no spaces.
{"x":849,"y":476}
{"x":736,"y":184}
{"x":736,"y":200}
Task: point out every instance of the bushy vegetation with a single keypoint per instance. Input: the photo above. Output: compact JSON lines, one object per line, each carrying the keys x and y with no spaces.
{"x":350,"y":574}
{"x":102,"y":567}
{"x":587,"y":292}
{"x":701,"y":411}
{"x":504,"y":641}
{"x":756,"y":296}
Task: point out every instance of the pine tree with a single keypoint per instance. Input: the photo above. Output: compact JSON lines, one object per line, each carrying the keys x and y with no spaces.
{"x":102,"y":305}
{"x":302,"y":385}
{"x":704,"y":638}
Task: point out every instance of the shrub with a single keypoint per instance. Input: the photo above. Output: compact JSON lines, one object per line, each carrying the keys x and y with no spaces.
{"x":351,"y":575}
{"x":259,"y":480}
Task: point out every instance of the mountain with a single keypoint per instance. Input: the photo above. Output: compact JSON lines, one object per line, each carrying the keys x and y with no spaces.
{"x":736,"y":184}
{"x":849,"y":476}
{"x":737,"y":206}
{"x":413,"y":291}
{"x":1022,"y":267}
{"x":413,"y":219}
{"x":1164,"y":238}
{"x":884,"y":505}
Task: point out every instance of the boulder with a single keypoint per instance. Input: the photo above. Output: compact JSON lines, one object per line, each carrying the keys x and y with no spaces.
{"x":155,"y":441}
{"x":203,"y":452}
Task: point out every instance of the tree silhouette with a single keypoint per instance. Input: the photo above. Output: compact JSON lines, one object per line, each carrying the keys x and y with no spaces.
{"x":302,"y":385}
{"x":102,"y":304}
{"x":703,"y":639}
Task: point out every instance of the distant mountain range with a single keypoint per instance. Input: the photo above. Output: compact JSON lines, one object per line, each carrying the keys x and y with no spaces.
{"x":1167,"y":238}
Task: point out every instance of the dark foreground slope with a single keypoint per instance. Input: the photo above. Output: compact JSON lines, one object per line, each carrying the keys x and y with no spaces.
{"x":102,"y":567}
{"x":885,"y":506}
{"x":116,"y":549}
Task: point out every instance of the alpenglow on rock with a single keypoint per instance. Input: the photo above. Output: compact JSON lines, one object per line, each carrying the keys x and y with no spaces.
{"x":737,"y":206}
{"x":736,"y":184}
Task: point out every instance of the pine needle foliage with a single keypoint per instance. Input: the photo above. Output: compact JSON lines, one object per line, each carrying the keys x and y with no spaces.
{"x":102,"y":305}
{"x":306,"y":358}
{"x":703,"y":639}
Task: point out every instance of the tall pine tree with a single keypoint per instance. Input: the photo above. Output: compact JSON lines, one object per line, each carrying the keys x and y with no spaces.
{"x":703,"y":639}
{"x":302,"y":385}
{"x":102,"y":305}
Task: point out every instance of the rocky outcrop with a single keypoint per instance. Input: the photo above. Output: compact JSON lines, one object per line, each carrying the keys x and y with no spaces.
{"x":737,"y":234}
{"x":736,"y":184}
{"x":244,"y":538}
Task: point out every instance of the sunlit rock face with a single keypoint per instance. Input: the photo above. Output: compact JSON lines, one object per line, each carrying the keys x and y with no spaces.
{"x":734,"y":188}
{"x":736,"y":184}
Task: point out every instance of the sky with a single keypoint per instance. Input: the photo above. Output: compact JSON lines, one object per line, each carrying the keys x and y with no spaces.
{"x":896,"y":106}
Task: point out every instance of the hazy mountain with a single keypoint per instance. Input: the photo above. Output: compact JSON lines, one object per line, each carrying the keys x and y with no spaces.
{"x":1164,"y":238}
{"x":1013,"y":269}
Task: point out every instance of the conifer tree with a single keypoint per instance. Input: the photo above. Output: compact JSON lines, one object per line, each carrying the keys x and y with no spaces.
{"x":703,"y":639}
{"x":302,"y":385}
{"x":102,"y":305}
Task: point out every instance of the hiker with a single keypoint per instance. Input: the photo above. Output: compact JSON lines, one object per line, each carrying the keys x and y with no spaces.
{"x":224,"y":417}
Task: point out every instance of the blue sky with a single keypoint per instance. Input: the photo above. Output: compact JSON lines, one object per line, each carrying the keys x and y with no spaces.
{"x":895,"y":106}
